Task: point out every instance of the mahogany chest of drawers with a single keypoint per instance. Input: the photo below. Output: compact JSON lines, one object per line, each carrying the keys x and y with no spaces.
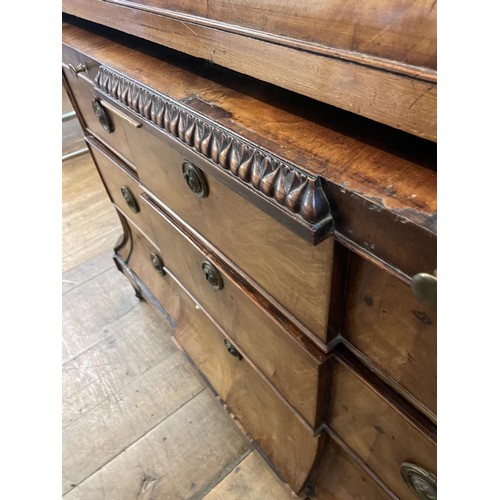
{"x":290,"y":245}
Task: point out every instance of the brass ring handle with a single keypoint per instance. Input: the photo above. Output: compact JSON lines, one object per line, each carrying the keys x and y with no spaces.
{"x":424,"y":287}
{"x":232,"y":350}
{"x":421,"y":482}
{"x":129,"y":199}
{"x":157,"y":262}
{"x":212,"y":275}
{"x":102,"y":116}
{"x":195,"y":179}
{"x":81,"y":68}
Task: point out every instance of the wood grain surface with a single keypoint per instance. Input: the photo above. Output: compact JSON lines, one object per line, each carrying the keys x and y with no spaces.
{"x":102,"y":301}
{"x":274,"y":427}
{"x":339,"y":477}
{"x":282,"y":437}
{"x":379,"y":435}
{"x":399,"y":30}
{"x":83,"y":94}
{"x":387,"y":324}
{"x":178,"y":458}
{"x":261,"y":336}
{"x":360,"y":88}
{"x":381,"y":183}
{"x":292,"y":271}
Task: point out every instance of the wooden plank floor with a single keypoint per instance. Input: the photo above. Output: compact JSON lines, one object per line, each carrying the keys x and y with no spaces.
{"x":138,"y":421}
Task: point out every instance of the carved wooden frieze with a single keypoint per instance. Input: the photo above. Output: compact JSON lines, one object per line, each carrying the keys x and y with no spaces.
{"x":285,"y":184}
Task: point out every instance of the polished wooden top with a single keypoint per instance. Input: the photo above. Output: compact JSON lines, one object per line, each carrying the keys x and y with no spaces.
{"x":376,"y":58}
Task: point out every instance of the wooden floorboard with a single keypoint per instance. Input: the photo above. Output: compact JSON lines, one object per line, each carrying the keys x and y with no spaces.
{"x":89,"y":222}
{"x":138,"y":421}
{"x":241,"y":483}
{"x":174,"y":460}
{"x":136,"y":345}
{"x":90,"y":311}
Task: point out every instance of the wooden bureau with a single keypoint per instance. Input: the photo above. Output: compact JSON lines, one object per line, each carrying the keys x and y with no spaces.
{"x":290,"y":244}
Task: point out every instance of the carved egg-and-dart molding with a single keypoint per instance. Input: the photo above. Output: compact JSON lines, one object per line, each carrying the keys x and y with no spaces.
{"x":281,"y":182}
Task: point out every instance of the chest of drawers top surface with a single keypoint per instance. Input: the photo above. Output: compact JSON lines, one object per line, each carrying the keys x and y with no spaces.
{"x":357,"y":55}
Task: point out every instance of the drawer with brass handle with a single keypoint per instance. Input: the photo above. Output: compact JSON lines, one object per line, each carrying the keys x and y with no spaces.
{"x":394,"y":441}
{"x":262,"y":240}
{"x":392,"y":329}
{"x":279,"y":434}
{"x":108,"y":124}
{"x":122,"y":186}
{"x":291,"y":363}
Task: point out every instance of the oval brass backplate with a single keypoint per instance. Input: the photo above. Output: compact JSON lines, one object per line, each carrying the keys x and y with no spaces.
{"x":421,"y":482}
{"x":102,"y":116}
{"x":195,"y":179}
{"x":212,"y":275}
{"x":129,"y":199}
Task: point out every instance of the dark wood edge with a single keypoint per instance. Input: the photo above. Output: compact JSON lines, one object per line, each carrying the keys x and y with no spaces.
{"x":358,"y":249}
{"x":417,"y":72}
{"x":338,"y":290}
{"x":421,"y":423}
{"x":293,"y":189}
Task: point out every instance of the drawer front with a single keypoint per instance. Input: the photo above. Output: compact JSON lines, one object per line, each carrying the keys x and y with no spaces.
{"x":242,"y":313}
{"x":281,"y":436}
{"x":379,"y":435}
{"x":287,"y":443}
{"x":294,"y":272}
{"x":386,"y":323}
{"x":122,"y":187}
{"x":339,"y":477}
{"x":116,"y":135}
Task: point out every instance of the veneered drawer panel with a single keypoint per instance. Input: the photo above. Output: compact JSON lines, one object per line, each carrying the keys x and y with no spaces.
{"x":82,"y":90}
{"x":339,"y":477}
{"x":273,"y":344}
{"x":385,"y":322}
{"x":377,"y":432}
{"x":281,"y":436}
{"x":121,"y":185}
{"x":296,"y":273}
